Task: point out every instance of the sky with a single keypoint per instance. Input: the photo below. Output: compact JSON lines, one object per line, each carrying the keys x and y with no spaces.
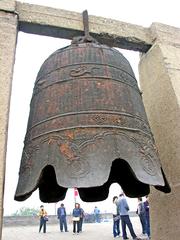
{"x":31,"y":52}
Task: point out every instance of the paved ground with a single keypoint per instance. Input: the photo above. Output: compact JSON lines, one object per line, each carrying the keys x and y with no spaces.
{"x":91,"y":231}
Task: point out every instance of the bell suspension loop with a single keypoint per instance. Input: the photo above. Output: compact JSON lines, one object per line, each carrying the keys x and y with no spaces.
{"x":87,"y":37}
{"x":86,"y":23}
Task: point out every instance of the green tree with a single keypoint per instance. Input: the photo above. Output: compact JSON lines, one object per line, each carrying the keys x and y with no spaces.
{"x":25,"y":211}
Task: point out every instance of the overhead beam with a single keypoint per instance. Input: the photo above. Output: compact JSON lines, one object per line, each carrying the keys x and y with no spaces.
{"x":60,"y":23}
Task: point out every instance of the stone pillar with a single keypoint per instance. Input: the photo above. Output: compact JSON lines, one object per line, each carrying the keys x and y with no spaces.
{"x":8,"y":34}
{"x":160,"y":83}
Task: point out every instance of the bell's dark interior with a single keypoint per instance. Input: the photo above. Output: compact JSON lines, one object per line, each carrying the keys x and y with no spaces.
{"x":120,"y":173}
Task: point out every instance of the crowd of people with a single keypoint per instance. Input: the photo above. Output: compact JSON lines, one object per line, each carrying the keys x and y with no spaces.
{"x":77,"y":218}
{"x":120,"y":213}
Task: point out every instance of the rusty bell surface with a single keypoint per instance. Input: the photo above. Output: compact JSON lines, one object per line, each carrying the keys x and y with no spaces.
{"x":88,"y":128}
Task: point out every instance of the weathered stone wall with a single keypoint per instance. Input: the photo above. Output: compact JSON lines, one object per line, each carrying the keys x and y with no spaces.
{"x":9,"y":221}
{"x":8,"y":31}
{"x":160,"y":82}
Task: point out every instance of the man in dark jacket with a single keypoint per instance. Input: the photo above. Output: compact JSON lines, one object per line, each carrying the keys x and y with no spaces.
{"x":142,"y":215}
{"x":61,"y":213}
{"x":146,"y":206}
{"x":81,"y":218}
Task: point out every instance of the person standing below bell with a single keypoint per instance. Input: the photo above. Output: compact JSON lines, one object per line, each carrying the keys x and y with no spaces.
{"x":43,"y":219}
{"x":146,"y":206}
{"x":123,"y":209}
{"x":142,"y":215}
{"x":76,"y":218}
{"x":116,"y":218}
{"x":97,"y":214}
{"x":81,"y":218}
{"x":61,"y":213}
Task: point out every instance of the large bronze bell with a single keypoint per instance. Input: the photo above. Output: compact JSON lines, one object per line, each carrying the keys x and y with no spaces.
{"x":88,"y":128}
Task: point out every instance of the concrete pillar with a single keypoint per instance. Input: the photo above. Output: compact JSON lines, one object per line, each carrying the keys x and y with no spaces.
{"x":160,"y":83}
{"x":8,"y":34}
